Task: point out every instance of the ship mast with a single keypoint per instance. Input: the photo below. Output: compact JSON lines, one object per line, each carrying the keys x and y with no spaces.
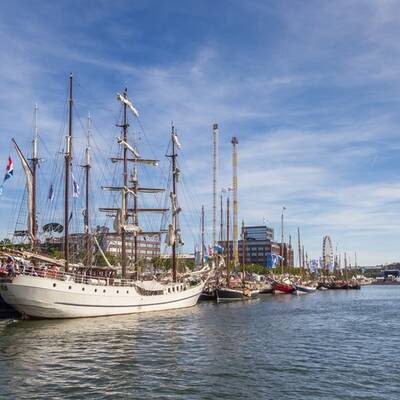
{"x":87,"y":167}
{"x":122,"y":215}
{"x":282,"y":252}
{"x":221,"y":220}
{"x":202,"y":236}
{"x":243,"y":251}
{"x":235,"y":142}
{"x":299,"y":249}
{"x":215,"y":181}
{"x":174,"y":206}
{"x":228,"y":250}
{"x":124,"y":207}
{"x":35,"y":162}
{"x":68,"y":160}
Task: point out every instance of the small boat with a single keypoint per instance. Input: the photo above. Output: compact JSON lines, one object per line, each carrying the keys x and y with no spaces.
{"x":208,"y":294}
{"x":355,"y":286}
{"x":301,"y":289}
{"x":228,"y":294}
{"x":282,"y":288}
{"x":266,"y":289}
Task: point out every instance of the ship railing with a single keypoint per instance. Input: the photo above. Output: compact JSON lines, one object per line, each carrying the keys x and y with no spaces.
{"x":77,"y":278}
{"x":97,"y":280}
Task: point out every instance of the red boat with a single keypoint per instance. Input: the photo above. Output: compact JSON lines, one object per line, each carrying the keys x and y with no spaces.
{"x":283,"y":288}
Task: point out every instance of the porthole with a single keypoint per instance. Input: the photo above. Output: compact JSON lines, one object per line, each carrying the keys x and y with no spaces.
{"x":69,"y":287}
{"x":54,"y":285}
{"x":104,"y":290}
{"x":95,"y":290}
{"x":117,"y":291}
{"x":127,"y":292}
{"x":83,"y":289}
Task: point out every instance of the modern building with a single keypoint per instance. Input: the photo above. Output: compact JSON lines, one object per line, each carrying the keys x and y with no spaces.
{"x":260,"y":233}
{"x":258,"y":243}
{"x":148,"y":247}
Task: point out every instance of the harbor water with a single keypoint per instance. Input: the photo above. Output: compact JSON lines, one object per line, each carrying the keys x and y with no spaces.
{"x":328,"y":345}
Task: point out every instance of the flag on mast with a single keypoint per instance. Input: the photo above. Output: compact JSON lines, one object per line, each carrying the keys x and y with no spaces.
{"x":9,"y":172}
{"x":76,"y":191}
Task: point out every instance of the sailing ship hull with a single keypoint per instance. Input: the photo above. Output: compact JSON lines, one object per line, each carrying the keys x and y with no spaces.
{"x":227,"y":294}
{"x":38,"y":297}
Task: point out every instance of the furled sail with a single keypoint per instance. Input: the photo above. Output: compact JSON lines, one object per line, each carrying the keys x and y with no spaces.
{"x":117,"y":221}
{"x":174,"y":203}
{"x":170,"y":239}
{"x":132,"y":228}
{"x":29,"y":185}
{"x":175,"y":139}
{"x":126,"y":101}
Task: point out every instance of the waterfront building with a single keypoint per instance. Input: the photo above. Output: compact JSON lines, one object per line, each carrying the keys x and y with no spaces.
{"x":148,"y":247}
{"x":259,"y":242}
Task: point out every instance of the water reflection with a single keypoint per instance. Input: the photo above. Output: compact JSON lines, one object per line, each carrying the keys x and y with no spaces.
{"x":314,"y":346}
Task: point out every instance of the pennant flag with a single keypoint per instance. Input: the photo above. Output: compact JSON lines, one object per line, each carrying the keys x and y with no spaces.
{"x":76,"y":192}
{"x":314,"y":265}
{"x":9,"y":172}
{"x":51,"y":193}
{"x":9,"y":169}
{"x":331,"y":266}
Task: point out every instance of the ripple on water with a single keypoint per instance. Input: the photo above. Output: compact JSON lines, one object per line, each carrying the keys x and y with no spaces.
{"x":328,"y":345}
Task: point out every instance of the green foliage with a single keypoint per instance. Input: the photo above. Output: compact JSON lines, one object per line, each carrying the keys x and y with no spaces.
{"x":55,"y":253}
{"x":112,"y":259}
{"x":160,"y":264}
{"x":257,"y":269}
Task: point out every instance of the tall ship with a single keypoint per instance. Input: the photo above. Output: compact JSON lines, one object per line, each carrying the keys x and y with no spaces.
{"x":42,"y":286}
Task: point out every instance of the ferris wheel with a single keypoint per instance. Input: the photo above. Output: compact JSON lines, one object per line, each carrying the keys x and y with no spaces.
{"x":327,"y":251}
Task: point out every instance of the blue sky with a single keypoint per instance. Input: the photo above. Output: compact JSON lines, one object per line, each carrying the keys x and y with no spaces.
{"x":310,"y":89}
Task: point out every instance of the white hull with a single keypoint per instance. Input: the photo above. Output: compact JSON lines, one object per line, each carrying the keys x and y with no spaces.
{"x":40,"y":297}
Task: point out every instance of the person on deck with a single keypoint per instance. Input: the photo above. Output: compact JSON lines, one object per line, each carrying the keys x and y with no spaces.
{"x":10,"y":267}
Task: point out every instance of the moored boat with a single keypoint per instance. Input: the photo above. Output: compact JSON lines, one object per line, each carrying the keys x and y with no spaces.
{"x":282,"y":288}
{"x":208,"y":294}
{"x":229,"y":294}
{"x":266,"y":289}
{"x":302,"y":289}
{"x":67,"y":295}
{"x":38,"y":290}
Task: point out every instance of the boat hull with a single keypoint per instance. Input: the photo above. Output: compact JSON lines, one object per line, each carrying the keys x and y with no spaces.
{"x":227,"y":294}
{"x":267,"y":289}
{"x":208,"y":295}
{"x":39,"y":297}
{"x":282,"y":288}
{"x":300,"y":289}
